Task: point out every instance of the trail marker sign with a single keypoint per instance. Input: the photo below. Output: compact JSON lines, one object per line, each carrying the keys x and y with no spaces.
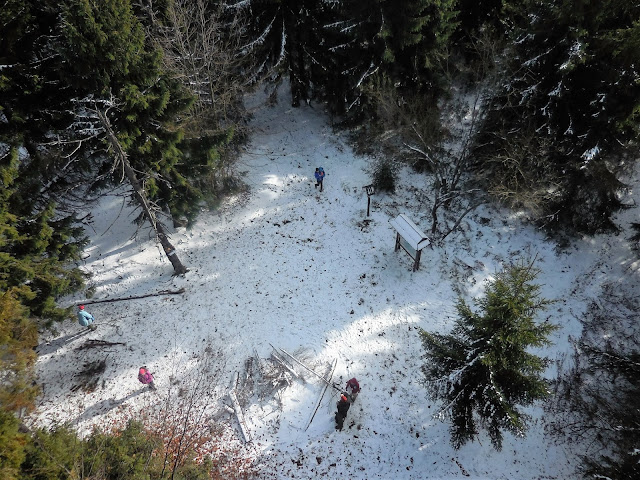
{"x":370,"y":189}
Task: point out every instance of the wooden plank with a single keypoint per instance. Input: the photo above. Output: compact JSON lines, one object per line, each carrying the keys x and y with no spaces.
{"x":324,"y":390}
{"x":240,"y":416}
{"x":234,"y":381}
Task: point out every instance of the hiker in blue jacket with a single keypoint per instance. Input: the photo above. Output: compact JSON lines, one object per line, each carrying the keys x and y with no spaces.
{"x":319,"y":177}
{"x":85,"y":318}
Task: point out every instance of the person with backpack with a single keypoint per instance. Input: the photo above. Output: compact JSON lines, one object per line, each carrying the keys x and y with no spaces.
{"x":343,"y":407}
{"x":85,"y":318}
{"x":146,"y":377}
{"x":319,"y":177}
{"x":353,"y":388}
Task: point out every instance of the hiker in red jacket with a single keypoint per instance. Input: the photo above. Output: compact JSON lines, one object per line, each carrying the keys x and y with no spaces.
{"x":353,"y":388}
{"x":146,"y":377}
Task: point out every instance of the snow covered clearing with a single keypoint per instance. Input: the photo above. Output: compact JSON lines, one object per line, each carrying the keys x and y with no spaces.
{"x":308,"y":272}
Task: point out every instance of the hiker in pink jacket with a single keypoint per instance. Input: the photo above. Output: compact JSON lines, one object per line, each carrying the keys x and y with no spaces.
{"x":146,"y":377}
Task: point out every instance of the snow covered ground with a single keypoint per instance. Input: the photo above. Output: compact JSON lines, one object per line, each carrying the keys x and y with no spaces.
{"x":289,"y":266}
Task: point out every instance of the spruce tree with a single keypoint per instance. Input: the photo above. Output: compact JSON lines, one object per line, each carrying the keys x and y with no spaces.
{"x":349,"y":53}
{"x":124,"y":113}
{"x":474,"y":16}
{"x":36,"y":247}
{"x":280,"y":40}
{"x":110,"y":64}
{"x":54,"y":453}
{"x":34,"y":101}
{"x":38,"y":241}
{"x":483,"y":371}
{"x":417,"y":37}
{"x":364,"y":43}
{"x":35,"y":252}
{"x":80,"y":61}
{"x":558,"y":127}
{"x":332,"y":49}
{"x":12,"y":446}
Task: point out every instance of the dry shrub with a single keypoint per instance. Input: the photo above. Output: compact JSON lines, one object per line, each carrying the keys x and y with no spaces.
{"x":187,"y":422}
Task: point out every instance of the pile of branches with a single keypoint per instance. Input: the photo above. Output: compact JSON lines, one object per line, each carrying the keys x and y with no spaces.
{"x":90,"y":375}
{"x":266,"y":377}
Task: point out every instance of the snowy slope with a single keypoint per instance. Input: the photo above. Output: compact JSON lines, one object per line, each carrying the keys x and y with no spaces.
{"x":289,"y":266}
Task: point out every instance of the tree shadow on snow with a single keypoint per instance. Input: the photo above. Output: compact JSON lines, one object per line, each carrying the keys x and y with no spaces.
{"x":106,"y":405}
{"x":50,"y":347}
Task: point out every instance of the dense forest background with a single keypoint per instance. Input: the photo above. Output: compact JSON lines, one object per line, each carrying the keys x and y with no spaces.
{"x":94,"y":94}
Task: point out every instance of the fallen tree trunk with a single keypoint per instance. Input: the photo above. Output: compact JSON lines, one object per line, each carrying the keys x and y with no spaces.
{"x":157,"y":294}
{"x":97,"y":344}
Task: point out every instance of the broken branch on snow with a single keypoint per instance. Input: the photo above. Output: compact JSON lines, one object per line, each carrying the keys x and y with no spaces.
{"x":157,"y":294}
{"x":97,"y":344}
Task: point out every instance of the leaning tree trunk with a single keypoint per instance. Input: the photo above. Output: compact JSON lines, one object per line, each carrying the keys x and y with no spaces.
{"x":138,"y":191}
{"x":169,"y":249}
